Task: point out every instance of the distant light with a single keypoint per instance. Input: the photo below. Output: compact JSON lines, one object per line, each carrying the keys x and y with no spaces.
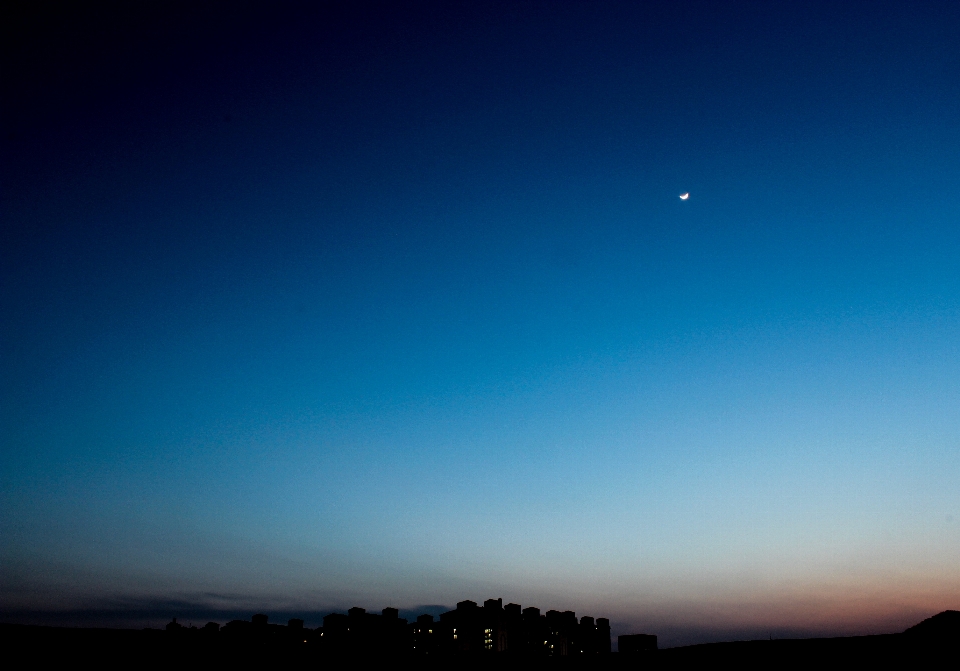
{"x":684,"y":196}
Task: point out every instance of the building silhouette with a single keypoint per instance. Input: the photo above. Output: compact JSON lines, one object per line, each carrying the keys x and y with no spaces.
{"x":469,"y":629}
{"x":491,"y":632}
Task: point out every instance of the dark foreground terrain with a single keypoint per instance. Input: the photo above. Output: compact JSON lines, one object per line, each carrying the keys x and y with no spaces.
{"x":934,"y":644}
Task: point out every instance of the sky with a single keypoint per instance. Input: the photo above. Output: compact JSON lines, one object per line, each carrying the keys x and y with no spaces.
{"x":308,"y":307}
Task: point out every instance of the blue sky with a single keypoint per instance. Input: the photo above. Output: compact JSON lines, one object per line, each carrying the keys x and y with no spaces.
{"x":312,"y":308}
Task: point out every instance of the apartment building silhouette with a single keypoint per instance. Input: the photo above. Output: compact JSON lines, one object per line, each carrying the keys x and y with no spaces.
{"x":469,"y":629}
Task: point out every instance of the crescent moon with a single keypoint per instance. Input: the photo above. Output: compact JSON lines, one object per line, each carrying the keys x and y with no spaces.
{"x":684,"y":196}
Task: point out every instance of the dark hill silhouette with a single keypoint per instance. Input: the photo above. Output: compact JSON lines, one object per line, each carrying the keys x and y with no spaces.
{"x":943,"y":627}
{"x":927,"y":644}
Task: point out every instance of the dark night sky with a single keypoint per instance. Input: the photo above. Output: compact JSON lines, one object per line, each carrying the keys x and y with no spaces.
{"x":308,"y":306}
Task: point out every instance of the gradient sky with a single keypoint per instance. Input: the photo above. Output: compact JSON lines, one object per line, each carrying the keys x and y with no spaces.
{"x":397,"y":304}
